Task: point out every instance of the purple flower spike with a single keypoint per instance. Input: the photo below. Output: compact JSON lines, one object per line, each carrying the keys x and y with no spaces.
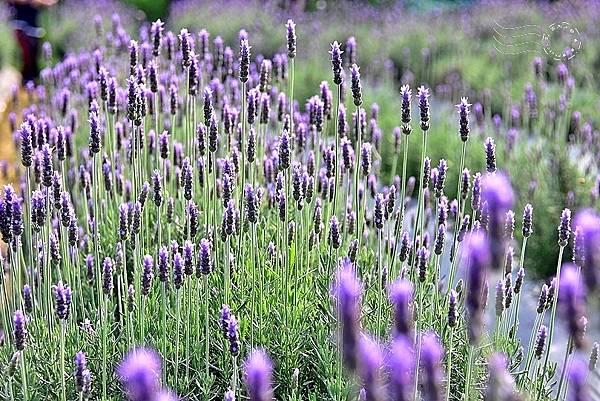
{"x":355,"y":85}
{"x":336,"y":63}
{"x":107,"y":276}
{"x":499,"y":196}
{"x":290,"y":27}
{"x":20,"y":330}
{"x":147,"y":274}
{"x":463,"y":111}
{"x":204,"y":264}
{"x":490,"y":155}
{"x":258,"y":371}
{"x":244,"y":59}
{"x":571,"y":302}
{"x":478,"y":256}
{"x":500,"y":385}
{"x":401,"y":296}
{"x":370,"y":364}
{"x":527,"y":220}
{"x":432,"y":354}
{"x":401,"y":369}
{"x":588,"y":223}
{"x":348,"y":291}
{"x":80,"y":367}
{"x":62,"y":297}
{"x":577,"y":378}
{"x":140,"y":373}
{"x":564,"y":228}
{"x":423,"y":95}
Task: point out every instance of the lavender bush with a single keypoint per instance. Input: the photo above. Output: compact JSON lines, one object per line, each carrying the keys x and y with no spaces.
{"x":184,"y":224}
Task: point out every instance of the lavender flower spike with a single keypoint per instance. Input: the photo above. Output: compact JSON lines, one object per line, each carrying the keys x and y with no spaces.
{"x":258,"y":371}
{"x":20,"y":330}
{"x":588,"y":223}
{"x":478,"y":256}
{"x":401,"y":369}
{"x":500,"y":384}
{"x":348,"y":291}
{"x":140,"y":373}
{"x":401,"y":296}
{"x":432,"y":354}
{"x":370,"y":364}
{"x":571,"y":303}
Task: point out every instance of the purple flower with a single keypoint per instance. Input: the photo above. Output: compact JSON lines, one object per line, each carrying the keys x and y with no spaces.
{"x":498,"y":194}
{"x":423,"y":95}
{"x":20,"y":330}
{"x":463,"y":112}
{"x":401,"y":296}
{"x":571,"y":302}
{"x":370,"y":366}
{"x":26,"y":144}
{"x":347,"y":290}
{"x":355,"y":85}
{"x":490,"y":155}
{"x":527,"y":220}
{"x":258,"y":371}
{"x":244,"y":60}
{"x":540,"y":341}
{"x":62,"y":300}
{"x":140,"y":373}
{"x":422,"y":260}
{"x":564,"y":228}
{"x":577,"y":379}
{"x":378,"y":212}
{"x":147,"y":274}
{"x":229,"y":395}
{"x":406,"y":94}
{"x":334,"y":233}
{"x":365,"y":158}
{"x":232,"y":333}
{"x":251,"y":204}
{"x":478,"y":258}
{"x":107,"y":278}
{"x":284,"y":151}
{"x":401,"y":364}
{"x":588,"y":223}
{"x":336,"y":63}
{"x":204,"y":264}
{"x":80,"y":368}
{"x":500,"y":384}
{"x":432,"y":355}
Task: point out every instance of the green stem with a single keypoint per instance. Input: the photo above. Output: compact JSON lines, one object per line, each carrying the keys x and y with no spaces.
{"x":449,"y":369}
{"x":62,"y":361}
{"x":554,"y":305}
{"x":23,"y":377}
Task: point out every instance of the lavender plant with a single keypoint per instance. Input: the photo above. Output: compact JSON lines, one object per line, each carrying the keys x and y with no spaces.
{"x":160,"y":184}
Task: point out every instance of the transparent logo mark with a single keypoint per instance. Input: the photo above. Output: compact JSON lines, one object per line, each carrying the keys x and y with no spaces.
{"x":560,"y":40}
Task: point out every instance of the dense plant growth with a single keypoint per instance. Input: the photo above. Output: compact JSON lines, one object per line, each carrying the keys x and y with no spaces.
{"x":185,"y":225}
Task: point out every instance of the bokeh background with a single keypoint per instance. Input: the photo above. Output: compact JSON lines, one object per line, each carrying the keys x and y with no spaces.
{"x":449,"y":46}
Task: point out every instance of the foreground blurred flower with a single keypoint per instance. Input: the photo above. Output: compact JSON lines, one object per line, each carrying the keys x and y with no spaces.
{"x":500,"y":384}
{"x":432,"y":355}
{"x":348,"y":291}
{"x":370,"y":364}
{"x":571,"y":302}
{"x":478,"y":257}
{"x":140,"y":374}
{"x":587,"y":222}
{"x":498,"y":193}
{"x":258,"y":371}
{"x":401,"y":369}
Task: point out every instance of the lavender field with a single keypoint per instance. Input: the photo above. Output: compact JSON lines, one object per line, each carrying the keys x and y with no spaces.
{"x":305,"y":201}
